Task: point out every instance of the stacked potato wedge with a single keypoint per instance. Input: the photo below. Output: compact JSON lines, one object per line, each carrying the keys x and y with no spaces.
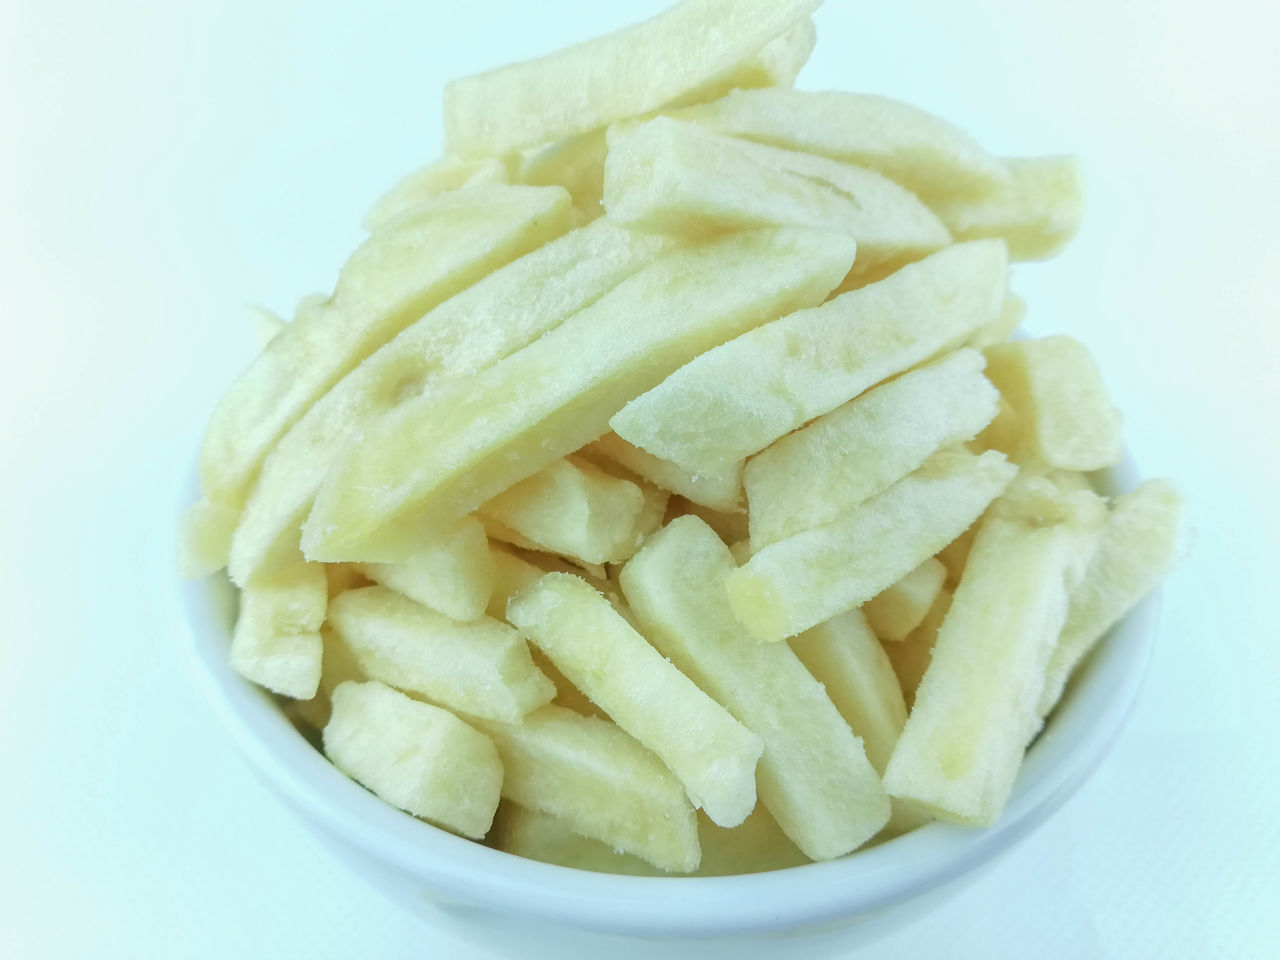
{"x":660,"y":490}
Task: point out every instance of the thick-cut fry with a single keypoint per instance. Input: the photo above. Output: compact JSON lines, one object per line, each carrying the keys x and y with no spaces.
{"x":276,"y":642}
{"x":737,"y":399}
{"x":711,"y":753}
{"x":776,"y":64}
{"x":814,"y":475}
{"x":600,"y":782}
{"x":575,"y":509}
{"x":205,"y":538}
{"x":1036,"y":213}
{"x":1059,"y":414}
{"x":910,"y":657}
{"x":681,"y":179}
{"x":899,"y":608}
{"x":452,"y":575}
{"x":718,"y":490}
{"x":440,"y":456}
{"x":928,"y":156}
{"x":481,"y":668}
{"x":814,"y":776}
{"x":799,"y":582}
{"x":502,"y":313}
{"x":445,"y":174}
{"x":418,"y":757}
{"x":623,"y":74}
{"x":975,"y":710}
{"x":1138,"y":547}
{"x":540,"y":836}
{"x":413,"y":263}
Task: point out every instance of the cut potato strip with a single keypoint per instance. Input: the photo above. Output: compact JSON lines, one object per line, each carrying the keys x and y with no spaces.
{"x":472,"y":331}
{"x":1036,"y":213}
{"x":442,"y":176}
{"x":276,"y":642}
{"x":928,"y":156}
{"x":1138,"y":547}
{"x":814,"y":475}
{"x":711,"y":753}
{"x":575,"y":509}
{"x":677,"y":178}
{"x":338,"y":665}
{"x":204,"y":543}
{"x":901,"y":607}
{"x":814,"y":777}
{"x":799,"y":582}
{"x":452,"y":575}
{"x":413,"y":263}
{"x":1059,"y":414}
{"x":910,"y":657}
{"x":599,"y":781}
{"x":623,"y":74}
{"x":481,"y":668}
{"x":718,"y":490}
{"x":737,"y":399}
{"x":975,"y":710}
{"x":540,"y":836}
{"x":1012,"y":313}
{"x":440,"y":456}
{"x":415,"y":756}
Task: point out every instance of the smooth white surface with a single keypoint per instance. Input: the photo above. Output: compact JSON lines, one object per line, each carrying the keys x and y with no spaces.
{"x":168,"y":163}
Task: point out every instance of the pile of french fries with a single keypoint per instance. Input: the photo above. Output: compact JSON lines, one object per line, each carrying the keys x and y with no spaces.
{"x":659,"y":490}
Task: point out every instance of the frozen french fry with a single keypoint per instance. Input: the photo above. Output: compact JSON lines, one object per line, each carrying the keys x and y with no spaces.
{"x":276,"y":642}
{"x":540,"y":836}
{"x":1059,"y":414}
{"x":404,"y":269}
{"x":928,"y":156}
{"x":737,"y":399}
{"x":1138,"y":547}
{"x":442,"y":455}
{"x":720,"y":490}
{"x":452,"y":575}
{"x":338,"y":665}
{"x":710,"y":752}
{"x":799,"y":582}
{"x":445,"y":174}
{"x":599,"y":781}
{"x":910,"y":657}
{"x":1036,"y":213}
{"x":900,"y":607}
{"x":468,"y":333}
{"x":481,"y":668}
{"x":678,"y":178}
{"x":859,"y":449}
{"x":622,"y":74}
{"x":418,"y":757}
{"x":813,"y":777}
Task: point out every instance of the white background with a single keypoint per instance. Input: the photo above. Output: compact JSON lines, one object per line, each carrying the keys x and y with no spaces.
{"x":166,"y":164}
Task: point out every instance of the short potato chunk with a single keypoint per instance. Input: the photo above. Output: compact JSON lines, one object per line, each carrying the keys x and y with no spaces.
{"x":415,"y":756}
{"x":276,"y":642}
{"x":900,"y":608}
{"x":452,"y":575}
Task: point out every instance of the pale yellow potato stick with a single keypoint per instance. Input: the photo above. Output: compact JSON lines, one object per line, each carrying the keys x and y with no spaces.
{"x":910,"y":657}
{"x":799,"y":582}
{"x":622,"y":74}
{"x":440,"y":456}
{"x":338,"y":665}
{"x":812,"y":476}
{"x":901,"y":607}
{"x":276,"y":642}
{"x":1037,"y":213}
{"x":497,"y":316}
{"x":737,"y":399}
{"x":710,"y":752}
{"x":481,"y":668}
{"x":442,"y":176}
{"x":814,"y":777}
{"x":415,"y":756}
{"x":677,"y":178}
{"x":718,"y":490}
{"x":599,"y":781}
{"x":577,"y":164}
{"x":413,"y":263}
{"x":1059,"y":413}
{"x":928,"y":156}
{"x":975,"y":710}
{"x":541,"y":836}
{"x":1138,"y":547}
{"x":452,"y":575}
{"x":204,"y":542}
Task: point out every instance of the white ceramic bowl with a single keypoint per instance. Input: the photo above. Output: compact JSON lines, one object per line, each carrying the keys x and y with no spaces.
{"x":523,"y":905}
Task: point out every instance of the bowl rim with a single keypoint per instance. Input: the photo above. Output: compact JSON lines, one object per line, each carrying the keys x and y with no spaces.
{"x":1075,"y":738}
